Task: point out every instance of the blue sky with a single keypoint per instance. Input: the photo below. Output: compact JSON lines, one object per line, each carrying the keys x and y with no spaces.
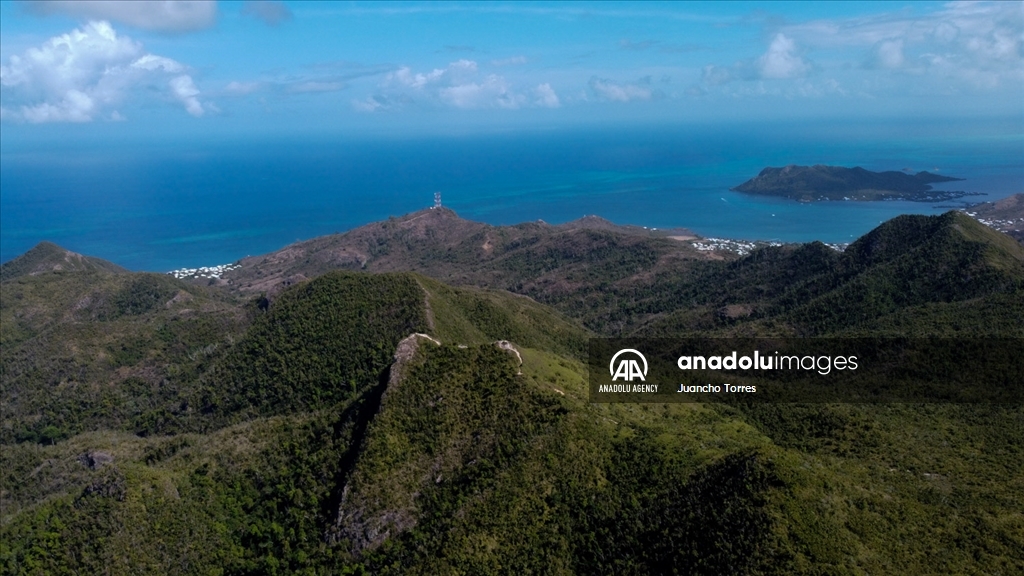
{"x":80,"y":70}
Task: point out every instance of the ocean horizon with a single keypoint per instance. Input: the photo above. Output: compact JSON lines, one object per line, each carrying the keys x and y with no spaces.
{"x":169,"y":206}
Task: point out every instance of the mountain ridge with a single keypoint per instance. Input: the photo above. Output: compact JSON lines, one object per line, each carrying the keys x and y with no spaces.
{"x":551,"y":264}
{"x":580,"y":270}
{"x":150,"y":421}
{"x":944,"y":260}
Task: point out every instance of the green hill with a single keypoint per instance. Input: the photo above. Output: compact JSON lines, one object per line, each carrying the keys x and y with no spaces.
{"x":48,"y":257}
{"x":151,"y":354}
{"x":611,"y":278}
{"x":88,"y":350}
{"x":949,"y":268}
{"x":391,"y":423}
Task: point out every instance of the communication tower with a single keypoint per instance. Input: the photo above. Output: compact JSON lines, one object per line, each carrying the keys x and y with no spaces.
{"x":437,"y":199}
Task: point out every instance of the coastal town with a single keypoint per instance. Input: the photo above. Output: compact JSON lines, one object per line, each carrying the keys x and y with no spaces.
{"x":1005,"y":215}
{"x":741,"y":247}
{"x":1001,"y":224}
{"x":210,"y":272}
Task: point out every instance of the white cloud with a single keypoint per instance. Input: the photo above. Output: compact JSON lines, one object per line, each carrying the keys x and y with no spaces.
{"x":66,"y":60}
{"x":458,"y":85}
{"x":461,"y":71}
{"x":999,"y":45}
{"x":960,"y":48}
{"x":162,"y":16}
{"x":463,"y":65}
{"x":456,"y":72}
{"x":76,"y":76}
{"x":980,"y":43}
{"x":75,"y":106}
{"x":404,"y":76}
{"x":608,"y":90}
{"x":888,"y":54}
{"x":781,"y":60}
{"x":154,"y":63}
{"x":185,"y":91}
{"x":493,"y":91}
{"x":546,"y":96}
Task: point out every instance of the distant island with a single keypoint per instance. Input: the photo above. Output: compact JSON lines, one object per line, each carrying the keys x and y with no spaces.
{"x":814,"y":183}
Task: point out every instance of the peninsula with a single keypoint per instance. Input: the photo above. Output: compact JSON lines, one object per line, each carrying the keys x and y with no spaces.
{"x":814,"y":183}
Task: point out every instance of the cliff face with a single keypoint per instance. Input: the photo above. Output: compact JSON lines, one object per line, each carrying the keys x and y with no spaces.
{"x":809,"y":183}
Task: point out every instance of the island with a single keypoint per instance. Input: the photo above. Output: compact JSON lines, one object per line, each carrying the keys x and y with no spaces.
{"x":815,"y":183}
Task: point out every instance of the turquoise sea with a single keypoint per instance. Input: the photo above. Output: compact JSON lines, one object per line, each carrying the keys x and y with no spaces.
{"x":176,"y":204}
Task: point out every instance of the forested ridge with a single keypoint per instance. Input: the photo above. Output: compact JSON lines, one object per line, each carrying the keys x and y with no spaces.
{"x":409,"y":422}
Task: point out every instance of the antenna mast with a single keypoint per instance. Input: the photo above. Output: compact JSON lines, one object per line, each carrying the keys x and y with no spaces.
{"x":437,"y":199}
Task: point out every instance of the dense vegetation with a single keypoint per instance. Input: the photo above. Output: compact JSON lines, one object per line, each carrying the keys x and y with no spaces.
{"x":154,"y":426}
{"x":319,"y":344}
{"x":99,"y":351}
{"x":949,"y":270}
